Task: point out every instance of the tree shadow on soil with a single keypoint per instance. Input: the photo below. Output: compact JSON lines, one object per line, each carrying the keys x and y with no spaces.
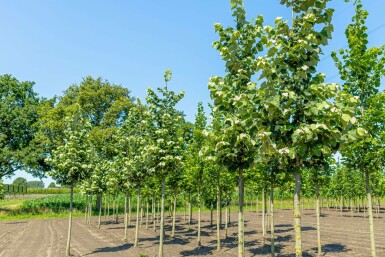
{"x":332,"y":248}
{"x":118,"y":248}
{"x":199,"y":251}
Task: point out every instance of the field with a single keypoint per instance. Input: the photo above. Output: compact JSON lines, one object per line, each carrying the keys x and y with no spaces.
{"x":342,"y":236}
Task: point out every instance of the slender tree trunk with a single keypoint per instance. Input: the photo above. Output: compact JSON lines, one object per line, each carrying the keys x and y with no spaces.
{"x":86,"y":212}
{"x":137,"y":219}
{"x":147,"y":213}
{"x":318,"y":214}
{"x":272,"y":220}
{"x":218,"y":215}
{"x":227,"y":219}
{"x":189,"y":211}
{"x":263,"y":215}
{"x":125,"y":216}
{"x":141,"y":215}
{"x":117,"y":210}
{"x":68,"y":250}
{"x":199,"y":218}
{"x":100,"y":214}
{"x":297,"y":216}
{"x":241,"y":243}
{"x":154,"y":212}
{"x":105,"y":206}
{"x":173,"y":218}
{"x":185,"y":208}
{"x":211,"y":215}
{"x":108,"y":210}
{"x":370,"y":214}
{"x":129,"y":209}
{"x":161,"y":237}
{"x":90,"y":209}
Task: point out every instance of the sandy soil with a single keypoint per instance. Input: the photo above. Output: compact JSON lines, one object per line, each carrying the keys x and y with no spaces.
{"x":341,"y":236}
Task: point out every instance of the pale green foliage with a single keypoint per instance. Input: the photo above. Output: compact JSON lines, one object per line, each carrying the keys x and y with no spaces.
{"x":71,"y":160}
{"x":235,"y":95}
{"x":133,"y":139}
{"x":165,"y":146}
{"x":361,"y":69}
{"x":298,"y":119}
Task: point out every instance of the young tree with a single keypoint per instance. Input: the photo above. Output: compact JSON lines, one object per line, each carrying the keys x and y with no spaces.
{"x":361,"y":68}
{"x":234,"y":99}
{"x":298,"y":120}
{"x":133,"y":158}
{"x":195,"y":162}
{"x":166,"y":155}
{"x":70,"y":161}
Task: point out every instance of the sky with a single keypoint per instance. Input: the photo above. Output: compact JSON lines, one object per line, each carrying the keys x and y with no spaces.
{"x":131,"y":43}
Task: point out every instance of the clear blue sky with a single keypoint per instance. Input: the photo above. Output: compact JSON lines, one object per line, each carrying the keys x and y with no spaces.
{"x":57,"y":43}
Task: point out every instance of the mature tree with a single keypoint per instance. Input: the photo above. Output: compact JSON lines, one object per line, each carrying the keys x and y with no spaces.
{"x":234,"y":98}
{"x":70,"y":161}
{"x":20,"y":182}
{"x":35,"y":184}
{"x":361,"y":69}
{"x":52,"y":185}
{"x":165,"y":146}
{"x":18,"y":113}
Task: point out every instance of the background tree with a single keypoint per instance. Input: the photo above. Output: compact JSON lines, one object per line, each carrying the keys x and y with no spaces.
{"x":35,"y":184}
{"x":52,"y":185}
{"x":20,"y":182}
{"x":18,"y":114}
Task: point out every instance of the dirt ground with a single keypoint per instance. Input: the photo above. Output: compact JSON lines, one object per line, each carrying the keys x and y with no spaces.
{"x":342,"y":236}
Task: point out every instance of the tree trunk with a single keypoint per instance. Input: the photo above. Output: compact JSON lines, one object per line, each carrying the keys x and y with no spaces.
{"x":125,"y":216}
{"x":211,"y":215}
{"x":218,"y":215}
{"x":161,"y":236}
{"x":227,"y":219}
{"x":105,"y":206}
{"x":241,"y":243}
{"x":263,"y":215}
{"x":100,"y":214}
{"x":173,"y":218}
{"x":108,"y":210}
{"x":68,"y":250}
{"x":189,"y":211}
{"x":117,"y":210}
{"x":153,"y":212}
{"x":199,"y":218}
{"x":185,"y":208}
{"x":318,"y":214}
{"x":89,"y":210}
{"x":297,"y":216}
{"x":370,"y":214}
{"x":86,"y":211}
{"x":272,"y":230}
{"x":146,"y":213}
{"x":129,"y":209}
{"x":137,"y":219}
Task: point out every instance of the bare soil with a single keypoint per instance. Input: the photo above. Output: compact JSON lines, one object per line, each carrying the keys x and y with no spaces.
{"x":341,"y":236}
